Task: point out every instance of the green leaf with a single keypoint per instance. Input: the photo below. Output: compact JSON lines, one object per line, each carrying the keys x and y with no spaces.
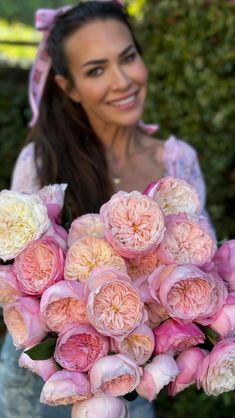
{"x":43,"y":350}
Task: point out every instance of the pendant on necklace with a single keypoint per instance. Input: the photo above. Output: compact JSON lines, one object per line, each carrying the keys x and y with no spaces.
{"x":116,"y":180}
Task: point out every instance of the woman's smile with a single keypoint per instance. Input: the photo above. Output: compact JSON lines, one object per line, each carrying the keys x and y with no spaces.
{"x":127,"y":102}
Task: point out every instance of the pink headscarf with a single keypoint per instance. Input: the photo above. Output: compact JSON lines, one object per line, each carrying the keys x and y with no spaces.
{"x":44,"y":22}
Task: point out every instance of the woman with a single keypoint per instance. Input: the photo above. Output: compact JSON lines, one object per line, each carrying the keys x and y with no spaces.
{"x":87,"y":133}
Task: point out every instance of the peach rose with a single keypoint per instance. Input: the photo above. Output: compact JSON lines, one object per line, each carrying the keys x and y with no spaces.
{"x":216,"y":372}
{"x":174,"y":195}
{"x":172,"y":337}
{"x":64,"y":388}
{"x":114,"y":307}
{"x":187,"y":293}
{"x":100,"y":406}
{"x":114,"y":375}
{"x":89,"y":224}
{"x":134,"y":224}
{"x":23,"y":322}
{"x":9,"y":290}
{"x":23,"y":218}
{"x":63,"y":304}
{"x":156,"y":313}
{"x":161,"y":371}
{"x":138,"y":345}
{"x":87,"y":253}
{"x":79,"y":346}
{"x":186,"y":242}
{"x":139,"y":268}
{"x":43,"y":368}
{"x":39,"y":266}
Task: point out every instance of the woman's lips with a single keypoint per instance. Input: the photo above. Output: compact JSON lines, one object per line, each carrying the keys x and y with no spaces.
{"x":125,"y":103}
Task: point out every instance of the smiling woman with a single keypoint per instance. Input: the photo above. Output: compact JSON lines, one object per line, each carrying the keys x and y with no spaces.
{"x":87,"y":89}
{"x":109,"y":76}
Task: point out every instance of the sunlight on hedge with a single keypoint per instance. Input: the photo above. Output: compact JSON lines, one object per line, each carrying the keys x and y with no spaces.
{"x":17,"y":54}
{"x":135,"y":8}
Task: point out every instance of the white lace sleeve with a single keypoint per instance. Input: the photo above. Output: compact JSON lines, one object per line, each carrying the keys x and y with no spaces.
{"x":24,"y":177}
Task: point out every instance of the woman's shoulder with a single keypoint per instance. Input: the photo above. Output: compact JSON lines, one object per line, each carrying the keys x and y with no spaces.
{"x":24,"y":176}
{"x":179,"y":157}
{"x":175,"y":148}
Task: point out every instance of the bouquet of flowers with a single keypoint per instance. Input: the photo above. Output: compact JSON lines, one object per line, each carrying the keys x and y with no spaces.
{"x":125,"y":302}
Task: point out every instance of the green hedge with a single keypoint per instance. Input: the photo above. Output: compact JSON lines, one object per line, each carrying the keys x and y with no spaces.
{"x":14,"y":113}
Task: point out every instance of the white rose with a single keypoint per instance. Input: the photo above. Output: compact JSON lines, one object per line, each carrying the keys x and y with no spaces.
{"x":23,"y":218}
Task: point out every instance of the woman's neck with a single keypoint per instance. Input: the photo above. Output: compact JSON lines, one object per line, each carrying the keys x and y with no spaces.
{"x":119,"y":142}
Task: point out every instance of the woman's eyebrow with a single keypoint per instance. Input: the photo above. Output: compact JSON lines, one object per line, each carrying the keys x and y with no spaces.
{"x":104,"y":61}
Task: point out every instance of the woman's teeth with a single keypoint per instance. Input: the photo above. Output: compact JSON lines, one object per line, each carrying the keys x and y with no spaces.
{"x":124,"y":101}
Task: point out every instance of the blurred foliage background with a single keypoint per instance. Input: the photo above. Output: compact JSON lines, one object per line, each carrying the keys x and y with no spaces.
{"x":188,"y":46}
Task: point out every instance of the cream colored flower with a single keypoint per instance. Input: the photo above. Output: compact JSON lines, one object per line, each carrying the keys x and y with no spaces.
{"x":23,"y":218}
{"x":216,"y":373}
{"x":88,"y":253}
{"x":175,"y":195}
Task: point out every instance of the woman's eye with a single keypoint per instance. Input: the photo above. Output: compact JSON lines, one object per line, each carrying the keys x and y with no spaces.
{"x":94,"y":72}
{"x":131,"y":57}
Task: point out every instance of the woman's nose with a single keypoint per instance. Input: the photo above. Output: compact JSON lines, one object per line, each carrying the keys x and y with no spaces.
{"x":120,"y":79}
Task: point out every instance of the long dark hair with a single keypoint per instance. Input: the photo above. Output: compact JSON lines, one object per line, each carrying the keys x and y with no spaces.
{"x":66,"y":147}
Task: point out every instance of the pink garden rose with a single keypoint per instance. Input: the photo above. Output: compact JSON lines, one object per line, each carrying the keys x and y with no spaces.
{"x":188,"y":362}
{"x":134,"y":224}
{"x":39,"y":266}
{"x":23,"y":322}
{"x":157,"y":374}
{"x":216,"y":373}
{"x":100,"y":406}
{"x":88,"y":253}
{"x":63,"y":304}
{"x":187,"y":293}
{"x":140,"y":268}
{"x":114,"y":375}
{"x":65,"y":387}
{"x":43,"y":368}
{"x":224,"y":321}
{"x":53,"y":198}
{"x":172,"y":337}
{"x":79,"y":346}
{"x":114,"y":307}
{"x":156,"y":313}
{"x":9,"y":290}
{"x":186,"y":242}
{"x":224,"y":260}
{"x":174,"y":195}
{"x":89,"y":224}
{"x":138,"y":345}
{"x":58,"y":234}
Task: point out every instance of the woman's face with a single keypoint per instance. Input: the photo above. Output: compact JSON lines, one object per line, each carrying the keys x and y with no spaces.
{"x":109,"y":75}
